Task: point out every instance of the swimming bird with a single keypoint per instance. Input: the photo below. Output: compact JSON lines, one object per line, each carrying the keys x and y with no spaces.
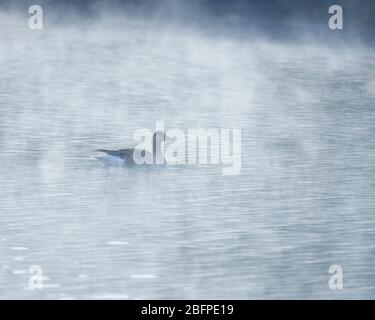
{"x":134,"y":156}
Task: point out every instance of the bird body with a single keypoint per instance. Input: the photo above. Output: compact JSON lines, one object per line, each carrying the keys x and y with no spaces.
{"x":121,"y":157}
{"x":126,"y":157}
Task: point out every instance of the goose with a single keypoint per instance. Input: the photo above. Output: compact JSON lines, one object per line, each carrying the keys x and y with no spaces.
{"x":125,"y":157}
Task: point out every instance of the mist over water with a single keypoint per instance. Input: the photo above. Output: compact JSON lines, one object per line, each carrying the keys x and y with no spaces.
{"x":304,"y":200}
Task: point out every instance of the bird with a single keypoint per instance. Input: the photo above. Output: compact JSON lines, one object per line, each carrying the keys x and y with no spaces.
{"x":133,"y":156}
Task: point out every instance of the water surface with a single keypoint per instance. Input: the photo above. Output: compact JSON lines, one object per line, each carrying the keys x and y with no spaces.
{"x":304,"y":199}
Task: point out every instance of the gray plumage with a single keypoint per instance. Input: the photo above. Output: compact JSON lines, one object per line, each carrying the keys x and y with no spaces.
{"x":125,"y":157}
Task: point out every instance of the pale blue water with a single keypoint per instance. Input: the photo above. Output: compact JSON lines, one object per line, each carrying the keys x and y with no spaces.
{"x":304,"y":199}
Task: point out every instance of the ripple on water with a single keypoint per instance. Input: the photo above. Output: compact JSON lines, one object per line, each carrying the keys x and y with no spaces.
{"x":143,"y":276}
{"x":18,"y":248}
{"x":117,"y":243}
{"x":18,"y":258}
{"x":19,"y":272}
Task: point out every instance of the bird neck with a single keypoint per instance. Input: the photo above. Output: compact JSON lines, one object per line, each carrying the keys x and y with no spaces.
{"x":157,"y":152}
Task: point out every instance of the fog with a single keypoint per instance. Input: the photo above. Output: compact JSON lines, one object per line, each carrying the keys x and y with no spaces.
{"x":304,"y":199}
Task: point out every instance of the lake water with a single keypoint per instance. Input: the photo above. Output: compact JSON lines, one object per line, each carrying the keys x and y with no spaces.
{"x":304,"y":200}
